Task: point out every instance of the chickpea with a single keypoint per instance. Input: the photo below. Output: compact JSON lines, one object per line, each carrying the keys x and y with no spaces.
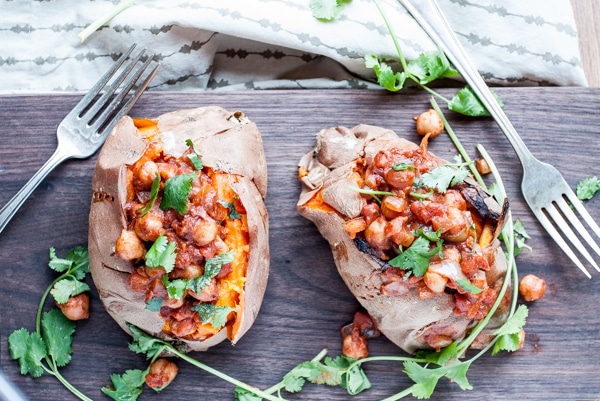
{"x":162,"y":373}
{"x":145,"y":175}
{"x":76,"y":308}
{"x":532,"y":288}
{"x":429,"y":122}
{"x":149,"y":226}
{"x":129,"y":246}
{"x":482,"y":166}
{"x":435,"y":282}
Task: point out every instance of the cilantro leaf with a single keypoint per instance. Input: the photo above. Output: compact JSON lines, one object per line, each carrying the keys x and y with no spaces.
{"x":327,"y":10}
{"x":143,"y":343}
{"x":466,"y":102}
{"x":386,"y":77}
{"x":57,"y":264}
{"x":58,"y":336}
{"x":443,"y":177}
{"x":153,"y":195}
{"x":425,"y":379}
{"x":212,"y":267}
{"x":216,"y":315}
{"x":175,"y":288}
{"x":416,"y":258}
{"x":402,"y":167}
{"x":587,"y":188}
{"x":176,"y":192}
{"x":430,"y":66}
{"x":508,"y":333}
{"x":293,"y":383}
{"x":233,"y":213}
{"x":195,"y":157}
{"x":161,"y":254}
{"x":126,"y":387}
{"x":154,"y":304}
{"x":520,"y":237}
{"x":241,"y":394}
{"x":29,"y":350}
{"x":66,"y":288}
{"x":468,"y":286}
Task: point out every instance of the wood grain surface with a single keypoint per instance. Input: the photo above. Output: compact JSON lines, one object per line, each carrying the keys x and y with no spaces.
{"x":306,"y":302}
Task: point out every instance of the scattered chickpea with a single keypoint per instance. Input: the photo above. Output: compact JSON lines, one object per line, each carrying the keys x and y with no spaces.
{"x":532,"y":288}
{"x":482,"y":166}
{"x":161,"y":374}
{"x":76,"y":308}
{"x":429,"y":122}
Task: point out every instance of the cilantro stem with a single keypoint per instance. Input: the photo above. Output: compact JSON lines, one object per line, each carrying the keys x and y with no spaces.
{"x":401,"y":57}
{"x":221,"y":375}
{"x":95,"y":25}
{"x":277,"y":387}
{"x":459,"y":147}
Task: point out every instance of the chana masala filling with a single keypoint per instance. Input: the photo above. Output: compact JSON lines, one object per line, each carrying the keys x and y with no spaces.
{"x":434,"y":241}
{"x":187,"y":235}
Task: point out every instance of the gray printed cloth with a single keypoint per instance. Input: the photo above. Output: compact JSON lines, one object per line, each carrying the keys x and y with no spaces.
{"x":269,"y":44}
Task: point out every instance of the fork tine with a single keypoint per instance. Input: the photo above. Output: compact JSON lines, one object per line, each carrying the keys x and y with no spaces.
{"x":129,"y":104}
{"x":101,"y":103}
{"x":128,"y":80}
{"x":583,"y":212}
{"x":545,"y":222}
{"x":95,"y":90}
{"x":560,"y":221}
{"x":568,"y":232}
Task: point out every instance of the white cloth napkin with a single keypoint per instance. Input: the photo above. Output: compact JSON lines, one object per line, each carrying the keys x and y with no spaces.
{"x":260,"y":44}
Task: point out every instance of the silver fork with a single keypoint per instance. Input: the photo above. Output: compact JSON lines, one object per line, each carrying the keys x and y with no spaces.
{"x":83,"y":131}
{"x":544,"y":188}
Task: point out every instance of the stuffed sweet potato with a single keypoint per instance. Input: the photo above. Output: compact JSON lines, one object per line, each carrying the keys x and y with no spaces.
{"x":421,"y":257}
{"x":178,"y":230}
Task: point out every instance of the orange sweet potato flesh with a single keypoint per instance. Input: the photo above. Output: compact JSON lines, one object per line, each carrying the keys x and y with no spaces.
{"x":231,"y":150}
{"x":327,"y":174}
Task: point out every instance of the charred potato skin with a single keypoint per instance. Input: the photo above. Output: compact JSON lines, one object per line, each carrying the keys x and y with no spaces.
{"x":228,"y":142}
{"x":404,"y":319}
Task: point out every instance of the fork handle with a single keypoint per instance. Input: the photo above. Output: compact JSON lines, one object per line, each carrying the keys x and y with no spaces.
{"x":442,"y":34}
{"x":10,"y":209}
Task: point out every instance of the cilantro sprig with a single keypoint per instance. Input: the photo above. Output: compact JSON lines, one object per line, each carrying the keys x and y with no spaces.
{"x":443,"y":177}
{"x":49,"y":346}
{"x":416,"y":258}
{"x":426,"y":68}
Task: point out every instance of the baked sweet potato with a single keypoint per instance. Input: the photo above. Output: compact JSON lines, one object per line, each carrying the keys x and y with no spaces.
{"x":423,"y":259}
{"x":178,"y":229}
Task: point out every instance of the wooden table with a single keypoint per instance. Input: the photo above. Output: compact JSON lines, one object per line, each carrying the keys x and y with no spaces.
{"x":306,"y":302}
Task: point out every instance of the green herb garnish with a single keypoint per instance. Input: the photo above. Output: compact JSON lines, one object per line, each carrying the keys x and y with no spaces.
{"x":327,"y":10}
{"x":176,"y":192}
{"x":232,"y":213}
{"x":195,"y":157}
{"x":443,"y":177}
{"x":49,"y":347}
{"x":216,"y":315}
{"x":417,"y":256}
{"x":587,"y":188}
{"x":161,"y":254}
{"x":402,"y":167}
{"x":468,"y":286}
{"x":153,"y":194}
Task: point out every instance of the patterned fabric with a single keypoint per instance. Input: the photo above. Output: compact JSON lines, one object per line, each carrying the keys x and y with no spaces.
{"x":260,"y":44}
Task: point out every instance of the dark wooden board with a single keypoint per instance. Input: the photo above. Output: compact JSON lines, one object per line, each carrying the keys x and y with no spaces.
{"x":306,"y":302}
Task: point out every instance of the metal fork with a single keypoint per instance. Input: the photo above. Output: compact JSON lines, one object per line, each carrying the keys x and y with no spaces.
{"x":544,"y":188}
{"x":83,"y":131}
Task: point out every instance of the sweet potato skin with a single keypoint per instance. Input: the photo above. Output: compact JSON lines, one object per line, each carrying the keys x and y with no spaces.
{"x":228,"y":142}
{"x":327,"y":172}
